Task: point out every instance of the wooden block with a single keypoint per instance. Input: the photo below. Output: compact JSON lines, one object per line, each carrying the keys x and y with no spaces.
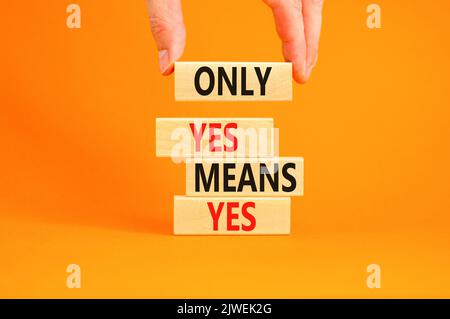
{"x":233,"y":81}
{"x":182,"y":138}
{"x":231,"y":216}
{"x":245,"y":177}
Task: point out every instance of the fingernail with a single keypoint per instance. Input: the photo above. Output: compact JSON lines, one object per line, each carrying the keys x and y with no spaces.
{"x":163,"y":60}
{"x":309,"y":71}
{"x":304,"y":73}
{"x":311,"y":67}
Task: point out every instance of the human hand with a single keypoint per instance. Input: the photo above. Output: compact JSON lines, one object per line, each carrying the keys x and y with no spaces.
{"x":298,"y":23}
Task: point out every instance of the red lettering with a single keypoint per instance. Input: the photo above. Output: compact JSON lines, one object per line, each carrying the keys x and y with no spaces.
{"x":215,"y":214}
{"x":198,"y":135}
{"x":231,"y":137}
{"x":249,"y":216}
{"x":214,"y":137}
{"x":231,"y":216}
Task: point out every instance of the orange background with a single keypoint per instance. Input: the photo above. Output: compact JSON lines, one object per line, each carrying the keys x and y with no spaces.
{"x":80,"y":182}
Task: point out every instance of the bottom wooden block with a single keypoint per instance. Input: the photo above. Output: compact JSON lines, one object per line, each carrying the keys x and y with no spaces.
{"x":232,"y":215}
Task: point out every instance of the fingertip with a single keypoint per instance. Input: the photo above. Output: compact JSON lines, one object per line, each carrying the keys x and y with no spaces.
{"x":168,"y":30}
{"x":311,"y":65}
{"x":168,"y":57}
{"x":169,"y":70}
{"x":300,"y":78}
{"x":164,"y":60}
{"x":299,"y":72}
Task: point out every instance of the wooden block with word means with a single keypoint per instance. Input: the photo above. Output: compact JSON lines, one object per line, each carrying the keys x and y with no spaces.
{"x":182,"y":138}
{"x":281,"y":176}
{"x":231,"y":216}
{"x":233,"y":81}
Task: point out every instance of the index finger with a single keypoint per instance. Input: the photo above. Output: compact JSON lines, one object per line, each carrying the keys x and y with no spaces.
{"x":288,"y":16}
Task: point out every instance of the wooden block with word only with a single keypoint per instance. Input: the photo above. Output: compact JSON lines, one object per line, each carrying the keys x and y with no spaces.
{"x":281,"y":176}
{"x":182,"y":138}
{"x":233,"y":81}
{"x":231,"y":216}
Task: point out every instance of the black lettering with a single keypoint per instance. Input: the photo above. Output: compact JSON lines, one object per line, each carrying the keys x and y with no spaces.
{"x":213,"y":174}
{"x":227,"y":177}
{"x":244,"y":90}
{"x":289,"y":177}
{"x":264,"y":172}
{"x":263,"y":79}
{"x":232,"y":85}
{"x":198,"y":74}
{"x":247,"y":170}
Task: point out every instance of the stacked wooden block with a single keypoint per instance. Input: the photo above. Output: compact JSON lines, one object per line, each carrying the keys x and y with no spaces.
{"x":235,"y":182}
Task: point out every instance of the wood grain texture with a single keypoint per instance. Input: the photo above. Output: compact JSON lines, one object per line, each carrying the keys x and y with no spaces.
{"x":237,"y":171}
{"x":277,"y":86}
{"x":192,"y":216}
{"x":174,"y":137}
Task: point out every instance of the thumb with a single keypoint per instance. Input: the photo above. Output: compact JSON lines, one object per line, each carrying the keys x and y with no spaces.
{"x":166,"y":20}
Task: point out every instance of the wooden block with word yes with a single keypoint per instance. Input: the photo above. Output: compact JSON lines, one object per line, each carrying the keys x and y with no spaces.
{"x":281,"y":176}
{"x":182,"y":138}
{"x":231,"y":216}
{"x":233,"y":81}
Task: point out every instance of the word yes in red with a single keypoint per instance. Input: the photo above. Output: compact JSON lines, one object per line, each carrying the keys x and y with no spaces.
{"x":214,"y":132}
{"x":231,"y":216}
